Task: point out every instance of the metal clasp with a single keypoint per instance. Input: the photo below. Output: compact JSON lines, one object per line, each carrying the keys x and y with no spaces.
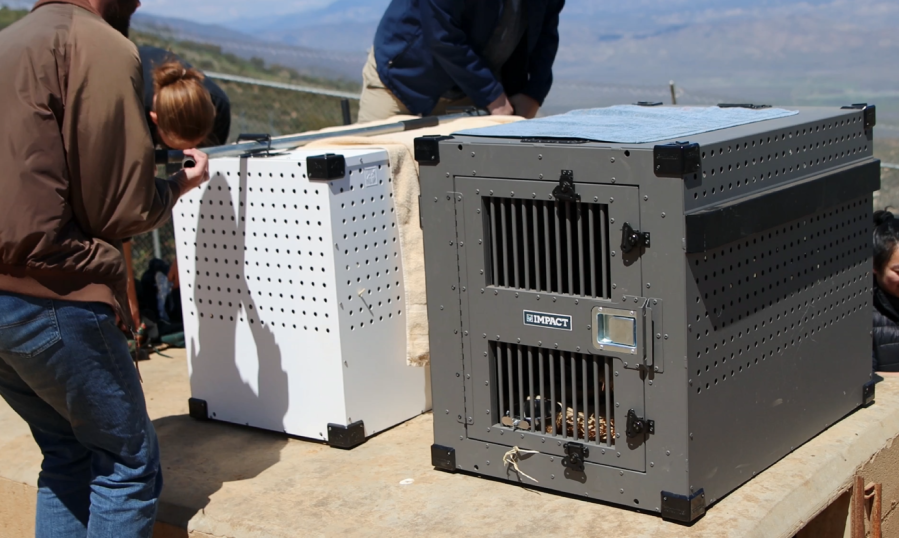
{"x":577,"y":455}
{"x":565,"y":190}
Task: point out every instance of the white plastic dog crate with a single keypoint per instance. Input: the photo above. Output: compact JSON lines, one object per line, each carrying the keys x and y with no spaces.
{"x":293,"y":297}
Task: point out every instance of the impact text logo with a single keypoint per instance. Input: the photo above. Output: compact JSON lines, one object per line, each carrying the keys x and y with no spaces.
{"x":550,"y":321}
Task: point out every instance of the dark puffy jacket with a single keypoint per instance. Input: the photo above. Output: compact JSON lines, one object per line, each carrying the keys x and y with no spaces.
{"x":423,"y":48}
{"x":886,"y":331}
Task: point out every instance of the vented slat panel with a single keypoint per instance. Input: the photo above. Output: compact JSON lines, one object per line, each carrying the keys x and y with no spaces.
{"x":528,"y":402}
{"x":582,"y":255}
{"x":547,"y":248}
{"x":503,"y":248}
{"x":531,"y":353}
{"x":572,"y":370}
{"x":558,"y":247}
{"x":608,"y":409}
{"x":601,"y":247}
{"x":526,"y":231}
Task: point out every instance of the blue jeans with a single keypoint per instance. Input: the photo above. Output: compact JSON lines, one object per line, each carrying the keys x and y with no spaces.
{"x":65,"y":368}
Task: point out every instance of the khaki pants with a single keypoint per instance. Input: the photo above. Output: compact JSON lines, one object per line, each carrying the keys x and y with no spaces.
{"x":379,"y":103}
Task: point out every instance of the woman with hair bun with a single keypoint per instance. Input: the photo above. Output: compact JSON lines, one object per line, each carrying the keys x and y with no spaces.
{"x":184,"y":108}
{"x":886,"y":292}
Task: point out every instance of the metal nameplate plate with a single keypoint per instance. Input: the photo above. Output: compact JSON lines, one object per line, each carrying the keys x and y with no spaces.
{"x":549,"y":321}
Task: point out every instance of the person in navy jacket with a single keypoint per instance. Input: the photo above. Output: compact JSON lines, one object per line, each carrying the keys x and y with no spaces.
{"x":430,"y":55}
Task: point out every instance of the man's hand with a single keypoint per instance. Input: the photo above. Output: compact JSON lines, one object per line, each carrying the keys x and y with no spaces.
{"x":189,"y":179}
{"x":524,"y":105}
{"x":501,"y":107}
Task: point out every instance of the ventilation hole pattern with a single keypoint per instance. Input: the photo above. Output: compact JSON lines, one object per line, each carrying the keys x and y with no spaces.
{"x":271,"y":253}
{"x":368,"y":256}
{"x":739,"y":167}
{"x":759,"y":299}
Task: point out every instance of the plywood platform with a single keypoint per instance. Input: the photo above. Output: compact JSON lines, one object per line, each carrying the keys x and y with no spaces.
{"x":229,"y":481}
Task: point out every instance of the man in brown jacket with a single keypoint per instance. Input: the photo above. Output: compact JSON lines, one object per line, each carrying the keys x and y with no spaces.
{"x":76,"y":179}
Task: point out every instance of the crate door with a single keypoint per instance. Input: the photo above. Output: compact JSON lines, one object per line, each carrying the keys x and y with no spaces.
{"x":534,"y":269}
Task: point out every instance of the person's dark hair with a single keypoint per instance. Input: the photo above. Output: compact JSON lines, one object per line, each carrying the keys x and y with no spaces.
{"x":183,"y":106}
{"x":886,"y":236}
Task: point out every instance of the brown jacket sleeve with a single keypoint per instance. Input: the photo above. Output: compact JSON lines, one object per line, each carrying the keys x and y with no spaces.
{"x":114,"y":191}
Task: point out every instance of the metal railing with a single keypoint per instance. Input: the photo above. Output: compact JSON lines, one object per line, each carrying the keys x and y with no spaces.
{"x":282,"y":86}
{"x":259,"y":106}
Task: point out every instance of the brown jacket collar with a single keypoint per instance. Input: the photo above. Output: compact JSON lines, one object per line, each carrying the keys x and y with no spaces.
{"x":80,"y":3}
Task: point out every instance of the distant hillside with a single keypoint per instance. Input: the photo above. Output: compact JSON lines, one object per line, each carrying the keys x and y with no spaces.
{"x":344,"y":25}
{"x":241,"y":41}
{"x":9,"y":16}
{"x":254,"y":109}
{"x":210,"y":57}
{"x":787,"y":52}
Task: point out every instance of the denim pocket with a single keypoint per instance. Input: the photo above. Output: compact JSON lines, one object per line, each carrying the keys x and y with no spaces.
{"x":27,"y":325}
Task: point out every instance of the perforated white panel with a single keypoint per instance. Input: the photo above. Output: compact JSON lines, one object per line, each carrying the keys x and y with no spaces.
{"x":293,"y":297}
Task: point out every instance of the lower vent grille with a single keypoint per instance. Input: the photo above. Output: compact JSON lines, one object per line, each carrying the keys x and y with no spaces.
{"x":557,"y":393}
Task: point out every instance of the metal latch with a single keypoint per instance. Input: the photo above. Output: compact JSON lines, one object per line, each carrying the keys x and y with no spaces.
{"x":565,"y":191}
{"x":638,"y":425}
{"x":631,"y":238}
{"x":576,"y":455}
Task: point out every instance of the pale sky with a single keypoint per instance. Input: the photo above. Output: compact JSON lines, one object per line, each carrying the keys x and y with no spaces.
{"x":216,"y":11}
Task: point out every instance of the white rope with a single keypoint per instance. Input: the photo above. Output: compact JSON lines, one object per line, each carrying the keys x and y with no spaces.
{"x":512,"y":458}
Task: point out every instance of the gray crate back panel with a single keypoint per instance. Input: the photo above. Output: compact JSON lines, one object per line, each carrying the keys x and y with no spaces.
{"x":629,"y":124}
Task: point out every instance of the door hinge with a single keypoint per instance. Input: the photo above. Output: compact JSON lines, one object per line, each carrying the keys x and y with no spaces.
{"x":565,"y":190}
{"x":637,"y":426}
{"x":631,"y":238}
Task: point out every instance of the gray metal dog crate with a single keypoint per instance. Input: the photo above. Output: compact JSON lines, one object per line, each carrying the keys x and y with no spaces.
{"x":652,"y":325}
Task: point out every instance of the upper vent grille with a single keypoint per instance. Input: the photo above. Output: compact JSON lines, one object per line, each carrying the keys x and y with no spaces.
{"x":551,"y":246}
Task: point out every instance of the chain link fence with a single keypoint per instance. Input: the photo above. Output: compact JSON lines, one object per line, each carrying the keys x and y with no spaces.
{"x":257,"y":106}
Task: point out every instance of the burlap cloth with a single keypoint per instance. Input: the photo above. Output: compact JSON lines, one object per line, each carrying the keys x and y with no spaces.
{"x":406,"y":190}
